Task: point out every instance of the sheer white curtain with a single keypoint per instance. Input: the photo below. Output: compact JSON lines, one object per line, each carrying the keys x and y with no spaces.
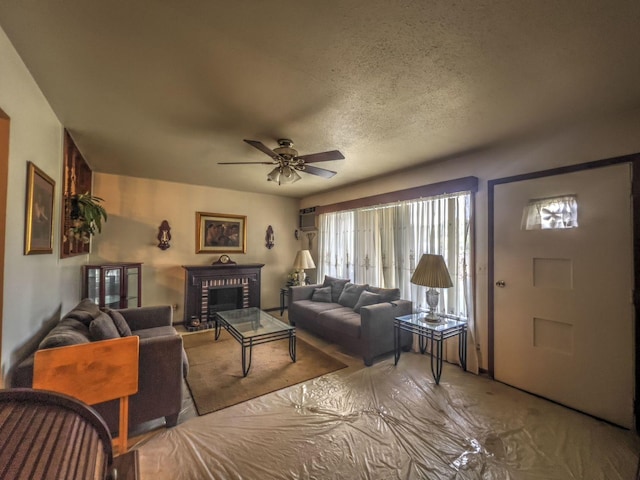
{"x":336,"y":244}
{"x":382,"y":245}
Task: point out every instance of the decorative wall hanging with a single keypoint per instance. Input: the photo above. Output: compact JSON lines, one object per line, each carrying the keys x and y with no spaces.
{"x":218,"y":233}
{"x":270,"y":238}
{"x":38,"y":236}
{"x":77,"y":180}
{"x":164,"y":235}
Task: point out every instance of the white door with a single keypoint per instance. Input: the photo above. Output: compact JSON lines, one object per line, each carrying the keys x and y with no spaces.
{"x":563,"y":313}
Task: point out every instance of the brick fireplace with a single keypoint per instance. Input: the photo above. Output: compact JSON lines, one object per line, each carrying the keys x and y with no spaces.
{"x":214,"y":288}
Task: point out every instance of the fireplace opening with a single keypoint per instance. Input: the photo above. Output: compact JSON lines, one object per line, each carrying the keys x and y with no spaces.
{"x":227,"y":297}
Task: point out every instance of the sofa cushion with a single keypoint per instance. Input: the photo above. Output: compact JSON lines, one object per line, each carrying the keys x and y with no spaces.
{"x":322,"y":294}
{"x":336,"y":284}
{"x":306,"y":311}
{"x":350,"y":294}
{"x":86,"y":311}
{"x":68,"y":331}
{"x":120,"y":323}
{"x":343,"y":320}
{"x":366,"y":298}
{"x":103,"y":328}
{"x":386,"y":294}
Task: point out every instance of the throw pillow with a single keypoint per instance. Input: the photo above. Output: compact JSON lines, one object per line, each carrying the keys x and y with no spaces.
{"x":85,"y":312}
{"x":366,"y":298}
{"x":120,"y":323}
{"x":350,"y":294}
{"x":336,"y":284}
{"x":321,"y":294}
{"x":386,"y":294}
{"x":103,"y":328}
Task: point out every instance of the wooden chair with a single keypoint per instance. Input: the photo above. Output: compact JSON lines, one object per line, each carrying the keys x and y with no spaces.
{"x":93,"y":372}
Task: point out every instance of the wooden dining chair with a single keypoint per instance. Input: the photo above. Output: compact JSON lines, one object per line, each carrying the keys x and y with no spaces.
{"x":93,"y":372}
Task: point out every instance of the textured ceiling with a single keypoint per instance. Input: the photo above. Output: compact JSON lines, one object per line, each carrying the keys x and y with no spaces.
{"x":167,"y":89}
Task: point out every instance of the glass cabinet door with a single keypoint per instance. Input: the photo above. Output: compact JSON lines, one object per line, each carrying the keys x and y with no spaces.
{"x":112,"y":287}
{"x":133,"y":287}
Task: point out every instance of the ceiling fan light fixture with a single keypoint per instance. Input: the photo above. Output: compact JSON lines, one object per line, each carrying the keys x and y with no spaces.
{"x":283,"y":175}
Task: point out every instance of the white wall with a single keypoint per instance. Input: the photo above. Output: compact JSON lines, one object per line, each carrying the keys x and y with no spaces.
{"x":594,"y":139}
{"x":137,"y":207}
{"x":37,"y":287}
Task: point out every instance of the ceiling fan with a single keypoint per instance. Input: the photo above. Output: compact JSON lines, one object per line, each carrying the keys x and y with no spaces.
{"x":288,"y":163}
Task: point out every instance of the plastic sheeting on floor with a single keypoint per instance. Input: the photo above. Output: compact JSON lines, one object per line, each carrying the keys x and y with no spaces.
{"x":387,"y":422}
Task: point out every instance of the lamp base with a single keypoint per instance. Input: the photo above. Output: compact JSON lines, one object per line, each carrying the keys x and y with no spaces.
{"x":432,"y":300}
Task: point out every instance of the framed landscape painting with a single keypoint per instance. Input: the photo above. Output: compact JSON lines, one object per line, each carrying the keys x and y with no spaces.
{"x":38,"y":236}
{"x":220,"y":233}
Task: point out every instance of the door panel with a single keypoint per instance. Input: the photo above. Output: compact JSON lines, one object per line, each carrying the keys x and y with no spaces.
{"x":563,"y":322}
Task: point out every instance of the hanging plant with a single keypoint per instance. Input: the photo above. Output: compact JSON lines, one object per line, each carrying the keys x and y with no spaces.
{"x":86,"y":216}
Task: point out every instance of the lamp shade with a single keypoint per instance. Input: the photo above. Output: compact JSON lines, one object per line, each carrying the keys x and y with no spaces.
{"x":303,"y":260}
{"x":432,"y":272}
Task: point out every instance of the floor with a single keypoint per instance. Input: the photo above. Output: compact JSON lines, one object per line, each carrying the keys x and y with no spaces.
{"x":388,"y":422}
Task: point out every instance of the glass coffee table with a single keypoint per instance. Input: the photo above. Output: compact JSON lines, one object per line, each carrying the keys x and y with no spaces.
{"x":252,"y":326}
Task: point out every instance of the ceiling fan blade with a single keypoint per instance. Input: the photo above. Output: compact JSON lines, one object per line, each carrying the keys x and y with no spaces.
{"x":245,"y":163}
{"x":261,"y":146}
{"x":322,"y":172}
{"x":321,"y":157}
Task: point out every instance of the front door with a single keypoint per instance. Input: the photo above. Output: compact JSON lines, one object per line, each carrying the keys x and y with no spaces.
{"x":563,"y":312}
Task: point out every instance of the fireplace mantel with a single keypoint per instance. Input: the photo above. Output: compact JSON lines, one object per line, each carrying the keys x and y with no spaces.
{"x":198,"y":279}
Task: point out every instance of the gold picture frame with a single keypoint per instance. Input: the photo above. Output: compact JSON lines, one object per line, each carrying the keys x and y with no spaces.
{"x":38,"y":236}
{"x":221,"y":233}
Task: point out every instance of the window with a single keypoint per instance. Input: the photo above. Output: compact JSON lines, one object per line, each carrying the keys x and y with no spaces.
{"x":382,"y":245}
{"x":551,"y":213}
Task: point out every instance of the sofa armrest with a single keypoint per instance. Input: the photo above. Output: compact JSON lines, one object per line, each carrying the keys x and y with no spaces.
{"x":148,"y":317}
{"x":301,"y":292}
{"x":377,"y":327}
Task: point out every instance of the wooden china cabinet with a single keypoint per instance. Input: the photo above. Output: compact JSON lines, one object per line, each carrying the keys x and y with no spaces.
{"x":113,"y":285}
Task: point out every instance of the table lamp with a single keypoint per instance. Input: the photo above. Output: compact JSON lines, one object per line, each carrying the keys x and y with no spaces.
{"x":303,"y":260}
{"x":432,"y":272}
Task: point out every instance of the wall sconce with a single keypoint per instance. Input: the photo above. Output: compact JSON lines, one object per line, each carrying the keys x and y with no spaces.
{"x":270,"y":238}
{"x":164,"y":235}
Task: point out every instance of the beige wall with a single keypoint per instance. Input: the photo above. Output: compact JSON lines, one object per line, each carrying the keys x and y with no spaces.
{"x":37,"y":287}
{"x":137,"y":206}
{"x":595,"y":139}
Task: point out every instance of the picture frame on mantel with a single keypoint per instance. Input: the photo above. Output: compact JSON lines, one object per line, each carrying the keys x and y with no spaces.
{"x":221,"y":233}
{"x":38,"y":235}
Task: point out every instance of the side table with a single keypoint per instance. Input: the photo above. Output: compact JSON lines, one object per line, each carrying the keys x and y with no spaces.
{"x":434,"y":334}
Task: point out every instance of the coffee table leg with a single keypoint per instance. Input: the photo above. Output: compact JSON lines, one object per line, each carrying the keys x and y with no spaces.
{"x":246,"y":359}
{"x":217,"y":325}
{"x":292,"y":347}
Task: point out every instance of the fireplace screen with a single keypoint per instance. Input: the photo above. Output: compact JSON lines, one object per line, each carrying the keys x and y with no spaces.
{"x":227,"y":297}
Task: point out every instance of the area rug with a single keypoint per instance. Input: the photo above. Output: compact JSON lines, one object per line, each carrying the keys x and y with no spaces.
{"x":215,"y":369}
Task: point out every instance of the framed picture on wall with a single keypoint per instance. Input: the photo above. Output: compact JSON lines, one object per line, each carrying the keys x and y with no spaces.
{"x":220,"y":233}
{"x":38,"y":237}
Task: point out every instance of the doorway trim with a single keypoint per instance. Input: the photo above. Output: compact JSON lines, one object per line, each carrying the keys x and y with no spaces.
{"x":634,"y":160}
{"x":5,"y":123}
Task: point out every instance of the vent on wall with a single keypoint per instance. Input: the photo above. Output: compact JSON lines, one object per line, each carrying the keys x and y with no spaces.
{"x":308,"y":219}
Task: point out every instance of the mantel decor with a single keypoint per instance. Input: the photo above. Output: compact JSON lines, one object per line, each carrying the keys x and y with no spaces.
{"x":220,"y":233}
{"x":38,"y":236}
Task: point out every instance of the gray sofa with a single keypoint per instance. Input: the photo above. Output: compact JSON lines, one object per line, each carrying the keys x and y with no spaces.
{"x":358,"y":317}
{"x":163,"y":362}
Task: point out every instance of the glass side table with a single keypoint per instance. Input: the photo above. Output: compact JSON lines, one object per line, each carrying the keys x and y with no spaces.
{"x":284,"y":295}
{"x":434,"y":335}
